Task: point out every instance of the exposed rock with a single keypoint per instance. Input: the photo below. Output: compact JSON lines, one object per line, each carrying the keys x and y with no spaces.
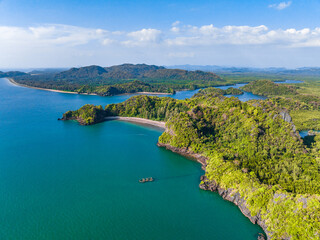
{"x":187,"y":153}
{"x":261,"y":237}
{"x":285,"y":116}
{"x":312,"y":133}
{"x":227,"y":194}
{"x":205,"y":184}
{"x":235,"y":197}
{"x":304,"y":202}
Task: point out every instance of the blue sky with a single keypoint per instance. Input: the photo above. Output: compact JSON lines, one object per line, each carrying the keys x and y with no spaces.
{"x":37,"y":33}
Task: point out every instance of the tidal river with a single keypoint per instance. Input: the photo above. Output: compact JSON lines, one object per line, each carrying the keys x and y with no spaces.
{"x":60,"y":180}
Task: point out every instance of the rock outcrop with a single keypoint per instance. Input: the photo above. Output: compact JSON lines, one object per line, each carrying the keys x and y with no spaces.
{"x":235,"y":197}
{"x":185,"y":152}
{"x":227,"y":194}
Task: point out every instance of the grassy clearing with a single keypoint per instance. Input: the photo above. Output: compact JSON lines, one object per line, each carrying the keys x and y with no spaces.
{"x":306,"y":119}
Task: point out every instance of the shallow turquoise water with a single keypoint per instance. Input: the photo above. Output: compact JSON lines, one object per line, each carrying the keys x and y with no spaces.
{"x":60,"y":180}
{"x":305,"y":133}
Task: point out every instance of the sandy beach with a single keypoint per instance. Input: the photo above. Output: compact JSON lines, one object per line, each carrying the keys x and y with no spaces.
{"x":93,"y":94}
{"x":139,"y":120}
{"x":154,"y":93}
{"x":45,"y":89}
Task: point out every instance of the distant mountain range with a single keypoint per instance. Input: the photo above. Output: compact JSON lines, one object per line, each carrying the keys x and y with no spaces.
{"x":138,"y":71}
{"x":99,"y":80}
{"x":11,"y":74}
{"x":130,"y":78}
{"x":220,"y":69}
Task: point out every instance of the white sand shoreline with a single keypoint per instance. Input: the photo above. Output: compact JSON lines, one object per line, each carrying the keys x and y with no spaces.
{"x":139,"y":120}
{"x":45,"y":89}
{"x":92,"y":94}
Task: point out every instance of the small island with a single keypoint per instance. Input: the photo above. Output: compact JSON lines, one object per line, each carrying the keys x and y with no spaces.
{"x":303,"y":108}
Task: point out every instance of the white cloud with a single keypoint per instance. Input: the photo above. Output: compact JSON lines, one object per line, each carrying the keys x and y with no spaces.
{"x":51,"y":35}
{"x":107,"y":41}
{"x":175,"y":29}
{"x":61,"y":45}
{"x":208,"y":35}
{"x":176,"y":23}
{"x":280,"y":6}
{"x":146,"y":35}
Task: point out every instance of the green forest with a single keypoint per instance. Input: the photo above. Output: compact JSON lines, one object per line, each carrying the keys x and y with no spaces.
{"x":304,"y":108}
{"x":251,"y":148}
{"x":125,"y":78}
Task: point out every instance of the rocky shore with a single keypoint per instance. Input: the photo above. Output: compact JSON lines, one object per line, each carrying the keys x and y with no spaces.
{"x":227,"y":194}
{"x":185,"y":152}
{"x":234,"y":197}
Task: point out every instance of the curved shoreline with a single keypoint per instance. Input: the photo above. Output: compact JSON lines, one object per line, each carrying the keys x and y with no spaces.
{"x":198,"y":157}
{"x":231,"y":195}
{"x":44,"y":89}
{"x":138,"y":120}
{"x":226,"y":194}
{"x":205,"y":184}
{"x":11,"y":80}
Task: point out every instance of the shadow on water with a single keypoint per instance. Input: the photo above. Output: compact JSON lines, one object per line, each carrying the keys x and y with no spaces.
{"x":180,"y":176}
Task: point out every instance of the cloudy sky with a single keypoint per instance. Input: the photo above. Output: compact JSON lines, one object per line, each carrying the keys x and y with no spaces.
{"x":266,"y":33}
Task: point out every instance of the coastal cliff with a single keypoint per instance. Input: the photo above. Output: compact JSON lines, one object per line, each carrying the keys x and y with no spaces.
{"x":233,"y":196}
{"x":227,"y":194}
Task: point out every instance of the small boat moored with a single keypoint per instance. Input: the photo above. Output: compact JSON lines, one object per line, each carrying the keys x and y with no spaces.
{"x":143,"y":180}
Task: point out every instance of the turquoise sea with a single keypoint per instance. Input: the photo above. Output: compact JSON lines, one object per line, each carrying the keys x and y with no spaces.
{"x":60,"y":180}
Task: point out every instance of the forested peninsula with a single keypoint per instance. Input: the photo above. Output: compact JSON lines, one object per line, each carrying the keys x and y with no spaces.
{"x":304,"y":108}
{"x":251,"y":152}
{"x":120,"y":79}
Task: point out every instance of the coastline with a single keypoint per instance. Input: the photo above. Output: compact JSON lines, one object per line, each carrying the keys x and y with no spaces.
{"x":186,"y":153}
{"x":11,"y":80}
{"x":231,"y":195}
{"x":153,"y":93}
{"x":138,"y":120}
{"x":44,"y":89}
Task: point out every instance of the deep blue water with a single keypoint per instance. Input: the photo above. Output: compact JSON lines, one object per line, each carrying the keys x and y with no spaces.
{"x":246,"y":96}
{"x":60,"y":180}
{"x":290,"y":81}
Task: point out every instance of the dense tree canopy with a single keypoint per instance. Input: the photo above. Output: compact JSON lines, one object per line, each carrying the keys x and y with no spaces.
{"x":125,"y":78}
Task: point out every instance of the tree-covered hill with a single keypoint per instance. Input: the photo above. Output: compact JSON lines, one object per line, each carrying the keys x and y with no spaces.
{"x":268,"y":88}
{"x":304,"y":108}
{"x":96,"y":78}
{"x":12,"y":74}
{"x":252,"y":151}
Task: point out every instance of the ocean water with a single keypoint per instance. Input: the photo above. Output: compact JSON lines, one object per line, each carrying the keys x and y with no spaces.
{"x":246,"y":96}
{"x":60,"y":180}
{"x":290,"y":81}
